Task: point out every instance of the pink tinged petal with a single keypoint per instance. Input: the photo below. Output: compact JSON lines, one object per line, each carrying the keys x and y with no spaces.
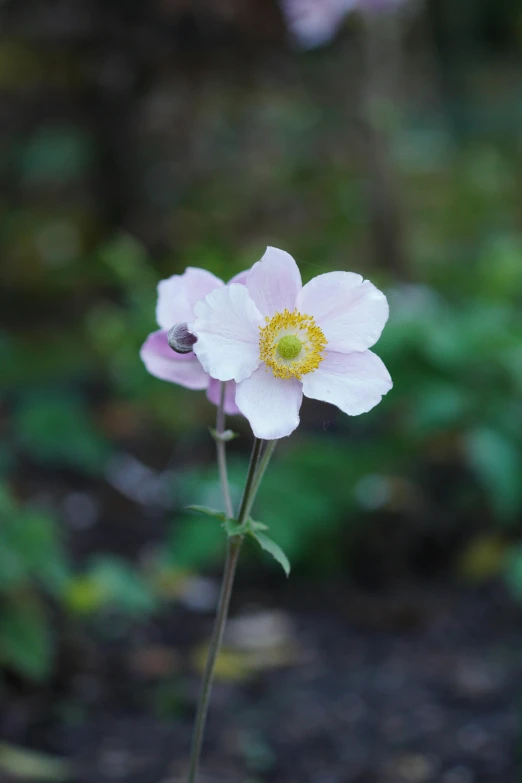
{"x":162,"y":362}
{"x":178,"y":294}
{"x":270,"y":404}
{"x":315,"y":22}
{"x":274,"y":282}
{"x":350,"y":311}
{"x":227,"y":327}
{"x":240,"y":278}
{"x":214,"y":395}
{"x":355,"y":382}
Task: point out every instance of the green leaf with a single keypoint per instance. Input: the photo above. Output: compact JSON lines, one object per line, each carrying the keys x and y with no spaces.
{"x":30,"y":765}
{"x":8,"y":506}
{"x":513,"y":572}
{"x":38,"y":542}
{"x":497,"y":462}
{"x":233,"y":528}
{"x":59,"y":430}
{"x":249,"y":526}
{"x":438,"y":405}
{"x":115,"y":583}
{"x":266,"y":543}
{"x":26,"y":642}
{"x":14,"y":571}
{"x":85,"y":595}
{"x":31,"y":549}
{"x":208,"y":512}
{"x":255,"y":526}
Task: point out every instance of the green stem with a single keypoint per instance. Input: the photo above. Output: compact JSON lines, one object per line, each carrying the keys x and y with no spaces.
{"x":221,"y":452}
{"x":263,"y":465}
{"x":250,"y":481}
{"x":233,"y":549}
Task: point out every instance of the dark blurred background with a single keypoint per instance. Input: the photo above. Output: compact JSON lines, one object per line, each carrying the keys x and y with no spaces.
{"x":377,"y":136}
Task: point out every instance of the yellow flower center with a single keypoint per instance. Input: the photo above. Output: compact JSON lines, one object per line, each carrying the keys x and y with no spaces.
{"x":291,"y":344}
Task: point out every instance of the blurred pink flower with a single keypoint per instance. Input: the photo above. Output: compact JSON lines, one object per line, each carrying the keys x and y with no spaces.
{"x":315,"y":22}
{"x":176,"y":298}
{"x":379,"y":5}
{"x":278,"y":340}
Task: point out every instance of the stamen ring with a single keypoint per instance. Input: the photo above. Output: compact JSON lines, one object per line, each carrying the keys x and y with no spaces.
{"x":291,"y":344}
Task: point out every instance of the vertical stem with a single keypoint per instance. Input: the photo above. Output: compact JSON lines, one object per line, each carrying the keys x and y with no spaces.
{"x":250,"y":481}
{"x":233,"y":549}
{"x":263,"y":464}
{"x":221,"y":452}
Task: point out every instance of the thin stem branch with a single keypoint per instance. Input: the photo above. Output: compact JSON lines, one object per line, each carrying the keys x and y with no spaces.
{"x":221,"y":452}
{"x":233,"y":549}
{"x":258,"y":478}
{"x":250,"y":481}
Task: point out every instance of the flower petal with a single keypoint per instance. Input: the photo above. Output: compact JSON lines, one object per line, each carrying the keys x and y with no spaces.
{"x":355,"y":382}
{"x":315,"y":23}
{"x":240,"y":278}
{"x":270,"y":404}
{"x":162,"y":362}
{"x":274,"y":282}
{"x":214,"y":395}
{"x":350,"y":311}
{"x":227,"y":327}
{"x":178,"y":294}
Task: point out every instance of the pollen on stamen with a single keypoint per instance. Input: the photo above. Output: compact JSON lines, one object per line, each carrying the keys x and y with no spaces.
{"x":291,"y":344}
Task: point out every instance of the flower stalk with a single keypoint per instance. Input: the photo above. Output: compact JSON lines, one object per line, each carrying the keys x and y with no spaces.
{"x":233,"y":549}
{"x":221,"y":452}
{"x":273,"y":341}
{"x":263,"y":465}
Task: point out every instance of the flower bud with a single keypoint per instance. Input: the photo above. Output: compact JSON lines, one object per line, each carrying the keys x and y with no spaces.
{"x":180,"y":339}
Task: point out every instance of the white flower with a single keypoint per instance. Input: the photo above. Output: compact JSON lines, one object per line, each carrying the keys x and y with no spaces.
{"x":279,"y":340}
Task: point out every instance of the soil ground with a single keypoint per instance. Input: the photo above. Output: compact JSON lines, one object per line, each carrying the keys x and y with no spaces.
{"x":332,"y":686}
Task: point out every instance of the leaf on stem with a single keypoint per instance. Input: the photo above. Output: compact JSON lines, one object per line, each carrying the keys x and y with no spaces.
{"x":233,"y":528}
{"x":208,"y":512}
{"x":254,"y":526}
{"x":248,"y":527}
{"x":270,"y":546}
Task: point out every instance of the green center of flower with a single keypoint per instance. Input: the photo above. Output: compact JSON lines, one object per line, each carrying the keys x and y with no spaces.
{"x":289,"y":346}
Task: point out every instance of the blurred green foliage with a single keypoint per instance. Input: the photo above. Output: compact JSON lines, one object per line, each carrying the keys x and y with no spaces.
{"x":58,"y":430}
{"x":108,"y":582}
{"x":38,"y":584}
{"x":216,"y":170}
{"x":33,"y":569}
